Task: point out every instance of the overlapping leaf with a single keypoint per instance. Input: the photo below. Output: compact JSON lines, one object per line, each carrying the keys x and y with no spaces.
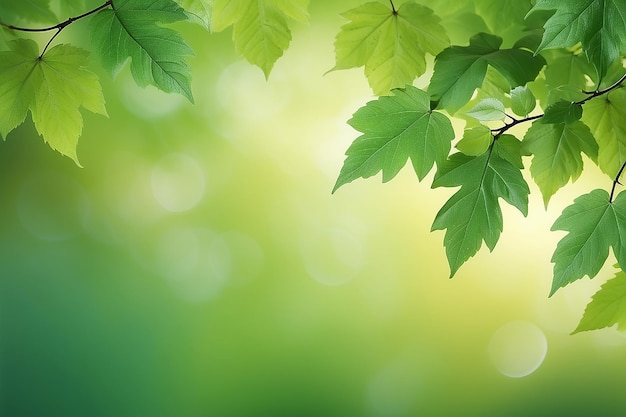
{"x":260,"y":30}
{"x":459,"y":70}
{"x":599,"y":24}
{"x":594,"y":224}
{"x":198,"y":10}
{"x":607,"y":306}
{"x":396,"y":128}
{"x":53,"y":88}
{"x":132,"y":30}
{"x":556,"y":150}
{"x":391,"y":46}
{"x":473,"y":214}
{"x":606,"y":117}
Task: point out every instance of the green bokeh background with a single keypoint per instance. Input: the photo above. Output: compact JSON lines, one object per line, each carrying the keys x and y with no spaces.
{"x":199,"y":266}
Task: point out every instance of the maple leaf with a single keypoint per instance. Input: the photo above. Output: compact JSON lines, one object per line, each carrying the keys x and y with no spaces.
{"x":473,"y":214}
{"x":556,"y":150}
{"x":459,"y":70}
{"x":599,"y":24}
{"x":593,"y":224}
{"x":260,"y":29}
{"x":52,"y":87}
{"x":396,"y":128}
{"x":392,"y":46}
{"x":607,"y":306}
{"x":131,"y":30}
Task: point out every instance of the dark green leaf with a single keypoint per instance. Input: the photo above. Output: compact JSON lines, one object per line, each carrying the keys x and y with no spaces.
{"x":594,"y":224}
{"x":157,"y":54}
{"x":473,"y":215}
{"x":562,"y":112}
{"x":459,"y":70}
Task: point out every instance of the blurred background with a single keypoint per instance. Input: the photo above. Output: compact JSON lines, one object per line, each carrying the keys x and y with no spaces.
{"x":198,"y":265}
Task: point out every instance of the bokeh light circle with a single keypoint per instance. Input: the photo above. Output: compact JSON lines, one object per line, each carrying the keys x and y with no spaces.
{"x":178,"y":182}
{"x":518,"y":348}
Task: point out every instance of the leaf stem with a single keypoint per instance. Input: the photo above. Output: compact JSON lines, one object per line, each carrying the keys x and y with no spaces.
{"x":616,"y":181}
{"x":393,"y":8}
{"x":59,"y":26}
{"x":591,"y":95}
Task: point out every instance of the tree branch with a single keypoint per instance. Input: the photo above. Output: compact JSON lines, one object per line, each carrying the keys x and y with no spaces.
{"x":591,"y":95}
{"x":59,"y":26}
{"x":616,"y":181}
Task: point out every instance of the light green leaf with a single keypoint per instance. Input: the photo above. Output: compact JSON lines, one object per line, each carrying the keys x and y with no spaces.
{"x":605,"y":117}
{"x":199,"y":11}
{"x":488,"y":109}
{"x":566,"y":75}
{"x":53,"y":88}
{"x":599,"y":24}
{"x":504,"y":17}
{"x":522,"y":101}
{"x":562,"y":112}
{"x":556,"y":150}
{"x":459,"y":70}
{"x":157,"y":54}
{"x":473,"y":214}
{"x":15,"y":11}
{"x":475,"y":141}
{"x":394,"y":129}
{"x":260,"y":29}
{"x":607,"y":306}
{"x":593,"y":224}
{"x":391,"y":47}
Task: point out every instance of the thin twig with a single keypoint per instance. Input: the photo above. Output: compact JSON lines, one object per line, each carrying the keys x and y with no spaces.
{"x":616,"y":181}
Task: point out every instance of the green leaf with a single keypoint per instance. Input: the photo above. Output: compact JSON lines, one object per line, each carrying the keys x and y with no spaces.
{"x":475,"y":141}
{"x":599,"y":24}
{"x":556,"y":150}
{"x":473,"y":214}
{"x":157,"y":54}
{"x":605,"y":117}
{"x":394,"y":129}
{"x":199,"y":11}
{"x":593,"y":224}
{"x":566,"y":75}
{"x":488,"y":109}
{"x":522,"y":101}
{"x":607,"y":306}
{"x":459,"y":70}
{"x":504,"y":17}
{"x":391,"y":47}
{"x":260,"y":29}
{"x":53,"y":88}
{"x":562,"y":112}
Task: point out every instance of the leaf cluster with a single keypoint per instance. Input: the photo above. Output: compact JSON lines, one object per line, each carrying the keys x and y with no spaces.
{"x":537,"y":84}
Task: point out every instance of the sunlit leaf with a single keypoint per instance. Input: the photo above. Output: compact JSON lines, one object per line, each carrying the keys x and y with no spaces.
{"x":607,"y":307}
{"x":391,"y":46}
{"x":260,"y":30}
{"x":52,"y":87}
